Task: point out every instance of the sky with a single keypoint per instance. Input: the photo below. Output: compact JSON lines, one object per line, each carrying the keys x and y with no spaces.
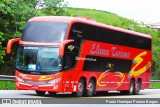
{"x":147,"y":11}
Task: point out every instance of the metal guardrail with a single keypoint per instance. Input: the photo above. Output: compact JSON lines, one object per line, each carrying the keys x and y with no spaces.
{"x":155,"y":81}
{"x":11,"y":78}
{"x":7,"y":78}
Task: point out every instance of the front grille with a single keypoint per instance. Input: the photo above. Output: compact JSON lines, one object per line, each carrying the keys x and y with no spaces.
{"x":35,"y":82}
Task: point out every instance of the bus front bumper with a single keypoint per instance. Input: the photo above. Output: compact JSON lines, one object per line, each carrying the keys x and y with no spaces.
{"x":48,"y":87}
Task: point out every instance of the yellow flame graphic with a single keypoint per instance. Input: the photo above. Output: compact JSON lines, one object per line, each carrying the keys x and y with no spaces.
{"x":45,"y":78}
{"x":138,"y":60}
{"x":100,"y":77}
{"x":119,"y":74}
{"x":122,"y":76}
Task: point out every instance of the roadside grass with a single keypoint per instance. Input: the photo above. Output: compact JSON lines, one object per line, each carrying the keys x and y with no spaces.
{"x":155,"y":85}
{"x":7,"y":85}
{"x":10,"y":85}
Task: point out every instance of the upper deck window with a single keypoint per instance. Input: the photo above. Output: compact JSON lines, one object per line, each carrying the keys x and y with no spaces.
{"x":44,"y":31}
{"x":106,"y":35}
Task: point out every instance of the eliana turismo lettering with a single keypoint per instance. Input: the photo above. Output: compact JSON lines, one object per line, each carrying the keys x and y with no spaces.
{"x":96,"y":49}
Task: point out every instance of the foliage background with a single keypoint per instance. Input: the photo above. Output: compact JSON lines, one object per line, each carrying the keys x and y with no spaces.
{"x":15,"y":13}
{"x":13,"y":16}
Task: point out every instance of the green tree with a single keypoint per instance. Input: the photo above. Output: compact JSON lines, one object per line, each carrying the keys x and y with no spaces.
{"x":13,"y":16}
{"x":53,"y":7}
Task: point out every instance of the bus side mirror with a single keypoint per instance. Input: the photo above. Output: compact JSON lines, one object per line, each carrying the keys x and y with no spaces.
{"x":9,"y":44}
{"x":62,"y":45}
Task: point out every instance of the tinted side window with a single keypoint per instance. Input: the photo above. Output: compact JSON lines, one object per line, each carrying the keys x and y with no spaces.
{"x":89,"y":32}
{"x":117,"y":65}
{"x":70,"y":53}
{"x":123,"y":39}
{"x":102,"y":35}
{"x":96,"y":65}
{"x":104,"y":64}
{"x":81,"y":31}
{"x":76,"y":31}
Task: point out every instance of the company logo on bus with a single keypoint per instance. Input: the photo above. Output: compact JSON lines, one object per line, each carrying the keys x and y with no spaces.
{"x":96,"y":49}
{"x":137,"y":61}
{"x":108,"y":75}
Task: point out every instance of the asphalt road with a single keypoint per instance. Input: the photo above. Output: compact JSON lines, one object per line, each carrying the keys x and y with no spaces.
{"x":147,"y":93}
{"x":60,"y":98}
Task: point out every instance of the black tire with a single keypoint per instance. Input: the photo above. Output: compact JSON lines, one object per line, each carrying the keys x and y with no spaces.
{"x":90,"y":90}
{"x":131,"y":89}
{"x":80,"y":89}
{"x":40,"y":93}
{"x":137,"y":87}
{"x":52,"y":93}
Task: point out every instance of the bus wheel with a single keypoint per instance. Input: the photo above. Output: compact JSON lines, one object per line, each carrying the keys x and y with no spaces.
{"x":90,"y":88}
{"x":131,"y":88}
{"x":41,"y":93}
{"x":137,"y":87}
{"x":52,"y":93}
{"x":80,"y":91}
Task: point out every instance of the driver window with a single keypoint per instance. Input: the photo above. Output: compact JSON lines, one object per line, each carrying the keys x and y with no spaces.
{"x":71,"y":52}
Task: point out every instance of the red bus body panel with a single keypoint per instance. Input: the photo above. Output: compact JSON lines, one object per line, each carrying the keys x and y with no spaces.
{"x":105,"y":81}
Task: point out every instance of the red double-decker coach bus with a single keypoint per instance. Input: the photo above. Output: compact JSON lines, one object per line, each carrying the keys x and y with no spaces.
{"x":68,"y":54}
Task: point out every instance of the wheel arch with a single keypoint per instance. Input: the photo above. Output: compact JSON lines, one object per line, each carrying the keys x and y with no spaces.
{"x":139,"y":79}
{"x":94,"y":79}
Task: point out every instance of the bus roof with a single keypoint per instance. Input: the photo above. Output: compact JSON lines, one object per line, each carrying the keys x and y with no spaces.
{"x":85,"y":21}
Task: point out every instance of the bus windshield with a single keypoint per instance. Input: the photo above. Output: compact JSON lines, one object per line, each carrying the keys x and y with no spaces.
{"x":38,"y":59}
{"x":44,"y":31}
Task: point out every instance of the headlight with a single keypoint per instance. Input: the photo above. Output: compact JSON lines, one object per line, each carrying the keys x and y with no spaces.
{"x":19,"y":79}
{"x":55,"y":80}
